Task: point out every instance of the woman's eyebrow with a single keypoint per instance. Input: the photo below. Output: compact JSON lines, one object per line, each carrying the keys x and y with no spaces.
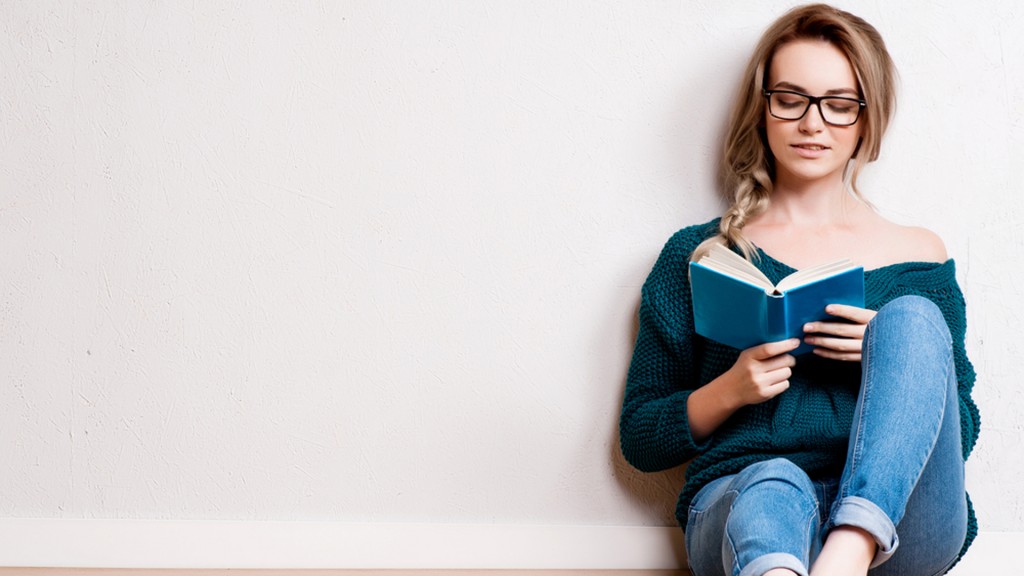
{"x":833,"y":92}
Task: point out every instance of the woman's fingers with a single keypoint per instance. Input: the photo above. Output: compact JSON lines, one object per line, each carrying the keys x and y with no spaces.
{"x":841,"y":329}
{"x":840,"y":340}
{"x":834,"y":355}
{"x":856,"y":321}
{"x":771,"y":349}
{"x":837,"y":344}
{"x":851,"y":313}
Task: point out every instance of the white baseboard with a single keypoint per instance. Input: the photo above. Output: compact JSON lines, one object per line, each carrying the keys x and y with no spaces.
{"x":220,"y":544}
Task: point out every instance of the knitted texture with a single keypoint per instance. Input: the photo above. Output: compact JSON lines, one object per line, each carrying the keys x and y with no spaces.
{"x":809,"y":424}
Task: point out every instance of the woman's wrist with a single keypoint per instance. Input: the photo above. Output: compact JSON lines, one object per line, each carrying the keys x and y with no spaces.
{"x":711,"y":405}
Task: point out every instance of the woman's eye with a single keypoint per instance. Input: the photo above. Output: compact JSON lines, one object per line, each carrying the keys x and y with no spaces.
{"x":840,"y":107}
{"x":790,"y":101}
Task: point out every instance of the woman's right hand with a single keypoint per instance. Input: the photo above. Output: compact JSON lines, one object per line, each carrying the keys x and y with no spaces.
{"x":758,"y":375}
{"x":761,"y":372}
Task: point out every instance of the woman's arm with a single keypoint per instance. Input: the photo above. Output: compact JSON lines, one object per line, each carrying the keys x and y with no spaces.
{"x":654,"y":430}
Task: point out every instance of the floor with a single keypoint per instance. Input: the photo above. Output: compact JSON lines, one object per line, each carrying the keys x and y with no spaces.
{"x":137,"y":572}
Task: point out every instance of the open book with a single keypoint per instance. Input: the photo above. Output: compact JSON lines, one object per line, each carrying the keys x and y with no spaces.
{"x":736,"y":304}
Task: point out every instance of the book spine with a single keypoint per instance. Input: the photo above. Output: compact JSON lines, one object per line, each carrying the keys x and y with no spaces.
{"x":775,"y":323}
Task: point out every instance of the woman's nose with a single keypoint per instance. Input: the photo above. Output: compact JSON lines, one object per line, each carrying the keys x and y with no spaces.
{"x":813,"y":120}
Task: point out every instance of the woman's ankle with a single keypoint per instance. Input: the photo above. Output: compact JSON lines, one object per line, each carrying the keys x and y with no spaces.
{"x":847,"y":551}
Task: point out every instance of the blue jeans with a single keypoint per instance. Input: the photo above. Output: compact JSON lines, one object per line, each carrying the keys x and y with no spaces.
{"x":903,"y":480}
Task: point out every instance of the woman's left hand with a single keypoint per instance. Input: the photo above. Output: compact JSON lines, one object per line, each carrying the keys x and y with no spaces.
{"x":839,"y":340}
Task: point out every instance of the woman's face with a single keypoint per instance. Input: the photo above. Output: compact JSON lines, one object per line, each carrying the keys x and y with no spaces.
{"x":809,"y":150}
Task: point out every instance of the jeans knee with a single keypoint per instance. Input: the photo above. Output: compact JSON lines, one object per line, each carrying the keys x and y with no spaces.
{"x":913,"y":312}
{"x":779,"y":472}
{"x":912,"y":319}
{"x":774,"y":497}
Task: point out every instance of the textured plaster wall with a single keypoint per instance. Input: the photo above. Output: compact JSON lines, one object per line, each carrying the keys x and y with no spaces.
{"x":380,"y":261}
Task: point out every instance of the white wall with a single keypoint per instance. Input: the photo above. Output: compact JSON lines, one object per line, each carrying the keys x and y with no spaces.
{"x":380,"y":261}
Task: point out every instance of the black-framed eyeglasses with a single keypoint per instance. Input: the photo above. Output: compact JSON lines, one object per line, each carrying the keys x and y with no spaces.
{"x":834,"y":110}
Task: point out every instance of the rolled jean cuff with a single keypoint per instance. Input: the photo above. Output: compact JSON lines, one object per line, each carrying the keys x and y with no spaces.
{"x":762,"y":564}
{"x":864,"y":514}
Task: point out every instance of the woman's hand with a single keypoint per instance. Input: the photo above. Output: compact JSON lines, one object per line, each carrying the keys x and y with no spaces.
{"x":840,"y":340}
{"x":759,"y":374}
{"x":762,"y":372}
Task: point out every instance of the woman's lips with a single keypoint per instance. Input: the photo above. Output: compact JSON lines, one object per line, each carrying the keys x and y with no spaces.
{"x":810,"y":150}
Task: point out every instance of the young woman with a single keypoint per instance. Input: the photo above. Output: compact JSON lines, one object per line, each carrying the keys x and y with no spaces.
{"x":849,"y":460}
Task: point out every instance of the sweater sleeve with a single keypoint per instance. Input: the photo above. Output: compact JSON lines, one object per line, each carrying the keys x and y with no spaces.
{"x":955,"y":310}
{"x":654,"y":430}
{"x":950,"y":300}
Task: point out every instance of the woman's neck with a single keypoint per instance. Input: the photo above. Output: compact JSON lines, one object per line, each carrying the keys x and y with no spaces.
{"x":811,"y":204}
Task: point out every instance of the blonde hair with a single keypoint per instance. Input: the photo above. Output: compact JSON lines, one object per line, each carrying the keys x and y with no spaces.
{"x":748,"y":167}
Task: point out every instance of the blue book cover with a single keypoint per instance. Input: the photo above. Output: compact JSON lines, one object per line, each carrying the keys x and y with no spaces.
{"x":743,"y":311}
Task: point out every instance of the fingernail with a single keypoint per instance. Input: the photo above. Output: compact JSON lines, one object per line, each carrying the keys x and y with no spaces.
{"x":808,"y":327}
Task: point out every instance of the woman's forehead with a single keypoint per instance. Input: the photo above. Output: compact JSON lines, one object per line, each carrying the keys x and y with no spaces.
{"x":814,"y":66}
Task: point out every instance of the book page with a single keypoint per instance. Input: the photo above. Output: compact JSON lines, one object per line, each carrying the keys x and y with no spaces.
{"x":732,"y":264}
{"x":812,"y":274}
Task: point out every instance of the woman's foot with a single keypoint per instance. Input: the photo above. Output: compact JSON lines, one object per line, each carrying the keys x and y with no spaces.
{"x":848,"y":551}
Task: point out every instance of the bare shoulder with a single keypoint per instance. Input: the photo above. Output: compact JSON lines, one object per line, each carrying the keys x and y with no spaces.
{"x":917,"y":244}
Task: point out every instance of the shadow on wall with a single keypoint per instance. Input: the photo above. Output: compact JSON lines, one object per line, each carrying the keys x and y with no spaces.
{"x":655,"y":493}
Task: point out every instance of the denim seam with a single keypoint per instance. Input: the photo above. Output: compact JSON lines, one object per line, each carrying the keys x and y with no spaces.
{"x":725,"y":532}
{"x":943,"y":331}
{"x":950,"y":371}
{"x":732,"y":547}
{"x":698,"y":513}
{"x":807,"y":529}
{"x":856,"y":449}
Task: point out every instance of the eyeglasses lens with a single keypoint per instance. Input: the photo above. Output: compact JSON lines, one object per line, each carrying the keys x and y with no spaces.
{"x":837,"y":111}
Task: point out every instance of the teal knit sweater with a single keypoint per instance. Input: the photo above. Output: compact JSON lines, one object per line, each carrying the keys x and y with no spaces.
{"x":808,"y":424}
